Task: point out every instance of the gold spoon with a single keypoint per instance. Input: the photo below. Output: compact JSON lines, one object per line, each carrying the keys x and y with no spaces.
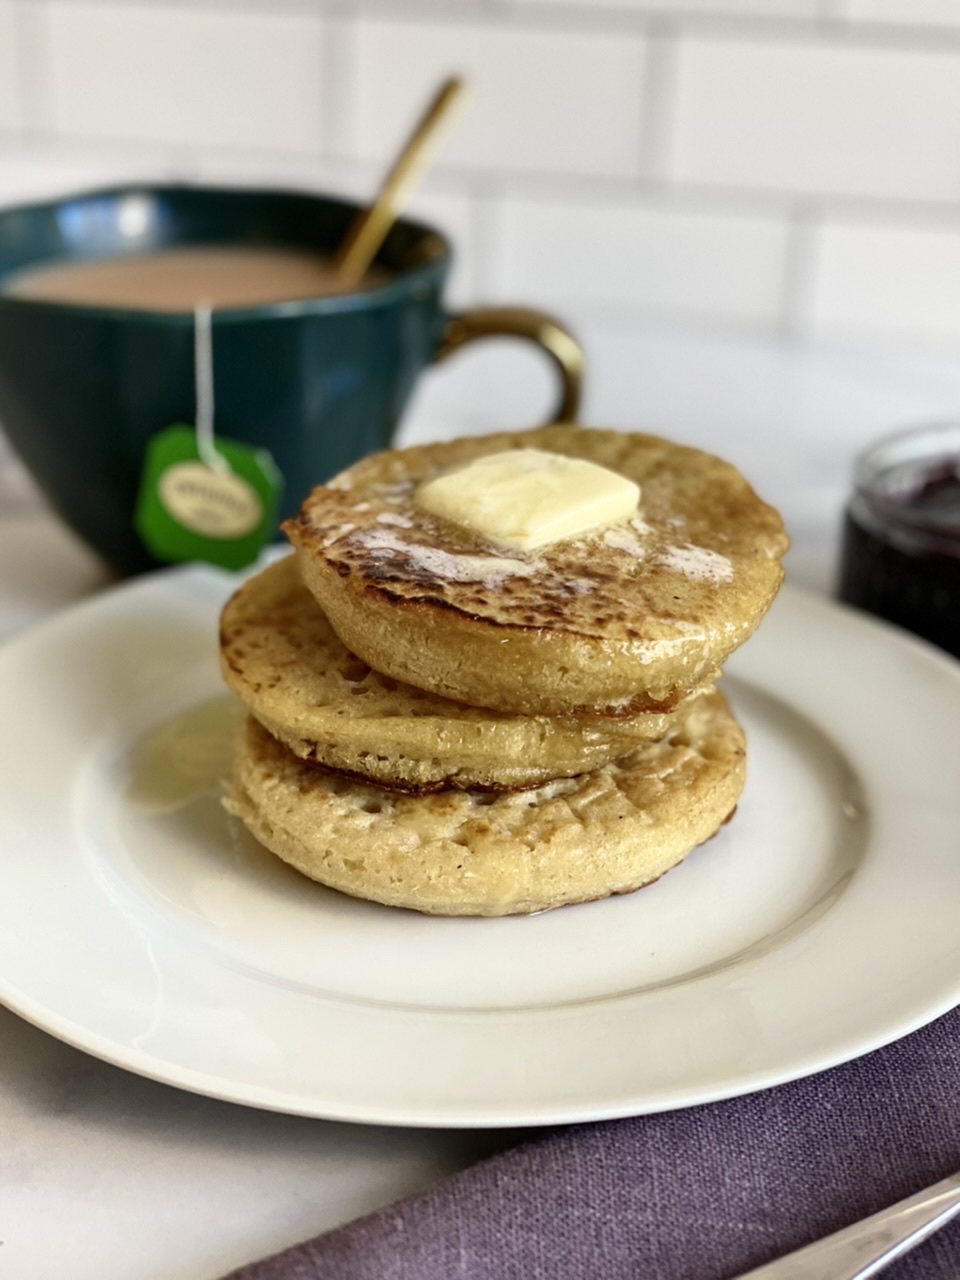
{"x":366,"y":233}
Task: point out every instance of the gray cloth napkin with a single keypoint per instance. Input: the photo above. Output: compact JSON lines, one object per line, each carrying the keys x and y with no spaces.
{"x":698,"y":1194}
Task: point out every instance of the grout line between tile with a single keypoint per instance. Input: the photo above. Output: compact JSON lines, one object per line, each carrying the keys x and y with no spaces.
{"x":609,"y":18}
{"x":586,"y":317}
{"x":828,"y":24}
{"x":716,"y":200}
{"x":831,"y":21}
{"x":723,"y":199}
{"x":213,"y":6}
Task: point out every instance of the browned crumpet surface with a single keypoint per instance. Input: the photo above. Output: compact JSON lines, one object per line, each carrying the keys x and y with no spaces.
{"x":281,"y":657}
{"x":608,"y":831}
{"x":624,"y":619}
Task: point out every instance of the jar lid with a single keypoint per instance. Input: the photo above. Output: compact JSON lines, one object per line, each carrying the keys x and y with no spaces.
{"x":907,"y":487}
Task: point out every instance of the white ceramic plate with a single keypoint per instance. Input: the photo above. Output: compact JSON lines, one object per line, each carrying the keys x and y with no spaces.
{"x":138,"y":923}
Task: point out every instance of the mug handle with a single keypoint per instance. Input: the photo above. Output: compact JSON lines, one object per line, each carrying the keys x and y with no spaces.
{"x":533,"y":326}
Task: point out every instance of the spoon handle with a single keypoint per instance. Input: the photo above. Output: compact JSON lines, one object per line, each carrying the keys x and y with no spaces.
{"x":367,"y":231}
{"x":868,"y":1246}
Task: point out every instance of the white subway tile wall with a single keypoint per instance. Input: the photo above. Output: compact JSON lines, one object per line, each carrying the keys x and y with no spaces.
{"x":790,"y":167}
{"x":654,"y":256}
{"x":691,"y":8}
{"x":9,"y":71}
{"x":543,"y":101}
{"x":813,"y":117}
{"x":917,"y":12}
{"x":37,"y":172}
{"x":199,"y":76}
{"x":895,"y":281}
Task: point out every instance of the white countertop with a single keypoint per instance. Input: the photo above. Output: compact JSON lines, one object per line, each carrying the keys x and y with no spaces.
{"x":106,"y":1176}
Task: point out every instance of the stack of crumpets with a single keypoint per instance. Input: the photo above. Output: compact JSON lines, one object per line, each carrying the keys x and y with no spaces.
{"x":483,"y":685}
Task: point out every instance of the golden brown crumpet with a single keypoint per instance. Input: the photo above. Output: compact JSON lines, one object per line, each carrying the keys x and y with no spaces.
{"x":626,"y":619}
{"x":280,"y":655}
{"x":468,"y":853}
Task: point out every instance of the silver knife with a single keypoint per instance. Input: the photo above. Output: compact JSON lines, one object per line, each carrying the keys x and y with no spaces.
{"x":868,"y":1246}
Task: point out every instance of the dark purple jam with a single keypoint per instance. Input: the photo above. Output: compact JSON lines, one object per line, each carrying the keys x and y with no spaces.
{"x":901,"y":539}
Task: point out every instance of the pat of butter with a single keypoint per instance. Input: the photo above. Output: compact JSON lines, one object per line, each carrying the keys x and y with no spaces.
{"x":525,"y":498}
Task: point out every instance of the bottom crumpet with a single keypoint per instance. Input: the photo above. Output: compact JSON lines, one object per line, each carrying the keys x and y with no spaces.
{"x":608,"y":831}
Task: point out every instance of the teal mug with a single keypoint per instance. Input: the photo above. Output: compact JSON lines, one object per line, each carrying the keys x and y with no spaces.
{"x":318,"y":382}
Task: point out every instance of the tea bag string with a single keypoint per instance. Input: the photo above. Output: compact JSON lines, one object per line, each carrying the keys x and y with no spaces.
{"x":203,"y":373}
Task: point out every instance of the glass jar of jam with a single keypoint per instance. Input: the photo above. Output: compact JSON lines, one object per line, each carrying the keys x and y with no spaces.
{"x":901,"y":537}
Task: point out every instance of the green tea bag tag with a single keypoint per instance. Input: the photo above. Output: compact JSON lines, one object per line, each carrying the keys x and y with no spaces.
{"x":203,"y":497}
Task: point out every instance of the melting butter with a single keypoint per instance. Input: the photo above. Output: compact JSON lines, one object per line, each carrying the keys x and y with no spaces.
{"x":526,"y":498}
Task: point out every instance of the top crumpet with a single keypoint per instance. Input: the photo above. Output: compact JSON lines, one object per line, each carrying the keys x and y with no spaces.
{"x":628,"y":615}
